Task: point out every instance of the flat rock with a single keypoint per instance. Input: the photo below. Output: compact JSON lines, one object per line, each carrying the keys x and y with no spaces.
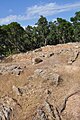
{"x":72,"y":110}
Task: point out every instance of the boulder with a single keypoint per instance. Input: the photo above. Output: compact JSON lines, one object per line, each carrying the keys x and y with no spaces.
{"x":47,"y":75}
{"x":36,"y":60}
{"x":13,"y":69}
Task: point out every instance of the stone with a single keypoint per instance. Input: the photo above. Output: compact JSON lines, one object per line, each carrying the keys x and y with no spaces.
{"x":38,"y":72}
{"x":36,"y":60}
{"x":6,"y":107}
{"x":5,"y":112}
{"x":41,"y":115}
{"x":13,"y":69}
{"x":49,"y":55}
{"x":56,"y":78}
{"x":17,"y":90}
{"x":53,"y":77}
{"x":46,"y":75}
{"x":16,"y":71}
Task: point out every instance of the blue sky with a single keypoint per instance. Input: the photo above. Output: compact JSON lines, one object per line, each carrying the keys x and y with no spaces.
{"x":27,"y":12}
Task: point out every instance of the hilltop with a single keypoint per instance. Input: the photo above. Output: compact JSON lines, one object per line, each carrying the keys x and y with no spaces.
{"x":43,"y":84}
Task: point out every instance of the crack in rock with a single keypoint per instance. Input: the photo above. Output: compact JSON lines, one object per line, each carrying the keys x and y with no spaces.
{"x":66,"y":99}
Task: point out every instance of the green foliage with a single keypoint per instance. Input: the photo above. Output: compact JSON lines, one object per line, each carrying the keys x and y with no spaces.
{"x":76,"y":26}
{"x":14,"y":39}
{"x":42,"y":30}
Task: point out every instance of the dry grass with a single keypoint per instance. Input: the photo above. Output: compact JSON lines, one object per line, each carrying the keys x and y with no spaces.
{"x":37,"y":88}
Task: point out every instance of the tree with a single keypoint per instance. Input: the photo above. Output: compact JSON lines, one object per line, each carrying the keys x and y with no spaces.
{"x":64,"y":30}
{"x":52,"y":35}
{"x":3,"y":42}
{"x":43,"y":29}
{"x":15,"y":37}
{"x":76,"y":25}
{"x":29,"y":40}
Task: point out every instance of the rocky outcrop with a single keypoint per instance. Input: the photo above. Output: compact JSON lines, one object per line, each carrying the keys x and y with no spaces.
{"x":69,"y":110}
{"x":7,"y":106}
{"x":47,"y":75}
{"x":5,"y":112}
{"x":47,"y":90}
{"x":73,"y":57}
{"x":71,"y":106}
{"x":12,"y":69}
{"x":48,"y":112}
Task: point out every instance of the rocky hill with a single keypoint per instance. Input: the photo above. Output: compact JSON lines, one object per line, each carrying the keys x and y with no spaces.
{"x":43,"y":84}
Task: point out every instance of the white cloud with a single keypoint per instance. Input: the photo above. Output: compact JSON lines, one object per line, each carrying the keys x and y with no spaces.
{"x":51,"y":9}
{"x":12,"y":18}
{"x":35,"y":11}
{"x":8,"y":19}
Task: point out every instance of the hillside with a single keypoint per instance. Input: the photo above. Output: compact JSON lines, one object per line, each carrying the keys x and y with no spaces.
{"x":43,"y":84}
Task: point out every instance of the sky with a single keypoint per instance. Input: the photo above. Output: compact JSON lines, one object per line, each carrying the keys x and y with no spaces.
{"x":27,"y":12}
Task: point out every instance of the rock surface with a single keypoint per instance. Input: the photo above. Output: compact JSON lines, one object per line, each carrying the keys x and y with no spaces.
{"x":7,"y":106}
{"x":13,"y":69}
{"x":43,"y":84}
